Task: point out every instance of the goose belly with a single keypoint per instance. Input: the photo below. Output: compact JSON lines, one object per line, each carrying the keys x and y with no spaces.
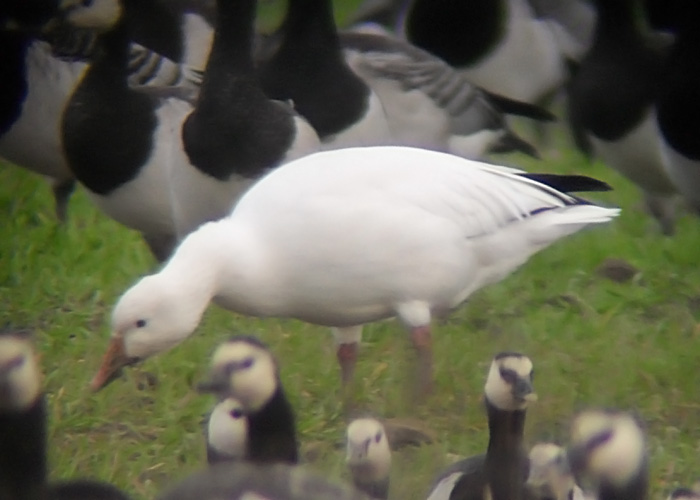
{"x":526,"y":65}
{"x":684,"y":173}
{"x":412,"y":116}
{"x":372,"y":129}
{"x":34,"y":140}
{"x":145,"y":202}
{"x":637,"y":156}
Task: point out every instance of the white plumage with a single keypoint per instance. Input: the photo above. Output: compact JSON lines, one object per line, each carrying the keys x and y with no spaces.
{"x":345,"y":237}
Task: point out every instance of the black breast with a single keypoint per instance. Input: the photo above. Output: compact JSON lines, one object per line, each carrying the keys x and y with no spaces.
{"x":13,"y":83}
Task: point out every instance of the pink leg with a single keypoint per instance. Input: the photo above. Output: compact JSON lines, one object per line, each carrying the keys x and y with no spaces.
{"x":347,"y":357}
{"x":423,"y":343}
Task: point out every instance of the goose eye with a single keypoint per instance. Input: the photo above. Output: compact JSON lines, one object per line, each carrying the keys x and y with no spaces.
{"x":236,"y":414}
{"x":508,"y":375}
{"x":378,"y":437}
{"x":247,"y":363}
{"x":140,"y":323}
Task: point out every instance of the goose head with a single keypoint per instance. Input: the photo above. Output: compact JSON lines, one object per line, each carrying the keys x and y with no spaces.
{"x":608,"y":453}
{"x":509,"y":382}
{"x":368,"y":456}
{"x":243,"y":368}
{"x":20,"y":377}
{"x":550,"y":476}
{"x":227,"y":430}
{"x":151,"y":317}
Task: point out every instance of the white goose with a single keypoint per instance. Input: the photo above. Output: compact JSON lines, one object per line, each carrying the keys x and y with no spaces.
{"x":346,"y":237}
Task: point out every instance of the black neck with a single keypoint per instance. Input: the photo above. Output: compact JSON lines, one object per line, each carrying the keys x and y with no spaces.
{"x":309,"y":68}
{"x":235,"y":128}
{"x":272,"y":432}
{"x":156,"y":24}
{"x":458,"y":31}
{"x":23,"y":453}
{"x":618,"y":19}
{"x":636,"y":489}
{"x":13,"y":82}
{"x":106,"y":145}
{"x":311,"y":23}
{"x":231,"y":51}
{"x":506,"y":464}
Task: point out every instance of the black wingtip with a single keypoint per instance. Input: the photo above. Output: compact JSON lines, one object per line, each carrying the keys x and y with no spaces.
{"x":510,"y":106}
{"x":570,"y":183}
{"x":509,"y":143}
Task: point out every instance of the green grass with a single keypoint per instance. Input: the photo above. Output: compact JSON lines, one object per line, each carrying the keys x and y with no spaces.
{"x":593,"y":341}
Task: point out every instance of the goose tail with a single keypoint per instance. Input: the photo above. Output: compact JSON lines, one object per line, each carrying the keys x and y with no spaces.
{"x":556,"y":223}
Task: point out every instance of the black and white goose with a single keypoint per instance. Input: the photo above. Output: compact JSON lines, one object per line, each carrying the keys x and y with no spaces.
{"x":678,"y":107}
{"x":502,"y":472}
{"x":431,"y":105}
{"x":499,"y":45}
{"x":33,"y":91}
{"x":549,"y":476}
{"x":608,"y":456}
{"x":248,"y":481}
{"x":360,"y":89}
{"x":308,"y":68}
{"x":23,"y":465}
{"x":243,"y":368}
{"x":611,"y":100}
{"x":235,"y":133}
{"x":326,"y":239}
{"x":368,"y":457}
{"x":226,"y":432}
{"x":122,"y":153}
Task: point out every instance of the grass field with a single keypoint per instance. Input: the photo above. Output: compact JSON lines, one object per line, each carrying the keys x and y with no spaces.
{"x":594,"y":342}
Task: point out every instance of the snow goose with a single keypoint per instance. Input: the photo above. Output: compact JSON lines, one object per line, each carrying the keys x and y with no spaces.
{"x":248,"y":481}
{"x":501,"y":473}
{"x":243,"y":368}
{"x":308,"y":68}
{"x":345,"y":237}
{"x":235,"y":133}
{"x":499,"y":45}
{"x":678,"y":107}
{"x":23,"y":465}
{"x":368,"y":457}
{"x":227,"y":432}
{"x":608,"y":456}
{"x":429,"y":104}
{"x":610,"y":105}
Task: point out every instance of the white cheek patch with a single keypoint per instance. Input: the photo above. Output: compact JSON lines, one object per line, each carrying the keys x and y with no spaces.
{"x":498,"y":391}
{"x":253,"y":386}
{"x":24,"y":380}
{"x":226,"y":433}
{"x":371,"y":458}
{"x":620,"y":459}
